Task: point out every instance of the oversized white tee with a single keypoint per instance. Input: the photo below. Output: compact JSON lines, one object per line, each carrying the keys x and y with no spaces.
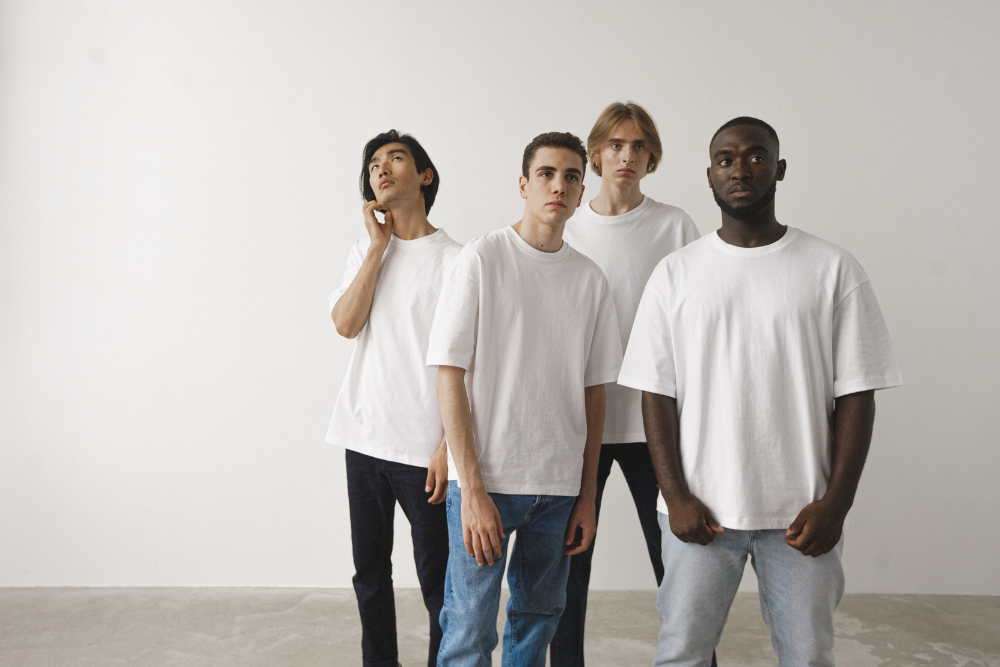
{"x":387,"y":406}
{"x":533,"y":329}
{"x":755,"y":344}
{"x":627,"y":248}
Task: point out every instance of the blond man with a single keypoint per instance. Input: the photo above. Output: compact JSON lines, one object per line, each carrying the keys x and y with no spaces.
{"x":626,"y":233}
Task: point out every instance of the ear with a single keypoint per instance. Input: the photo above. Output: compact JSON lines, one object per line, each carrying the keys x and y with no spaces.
{"x":708,"y":173}
{"x":427,"y":177}
{"x":580,"y":200}
{"x":780,"y":176}
{"x":522,"y":183}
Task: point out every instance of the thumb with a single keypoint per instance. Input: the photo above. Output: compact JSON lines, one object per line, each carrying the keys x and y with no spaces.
{"x":797,"y":526}
{"x":429,"y":484}
{"x":388,"y":218}
{"x":712,"y":523}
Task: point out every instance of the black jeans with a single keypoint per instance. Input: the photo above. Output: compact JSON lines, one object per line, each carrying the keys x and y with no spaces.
{"x":373,"y":488}
{"x":566,"y":649}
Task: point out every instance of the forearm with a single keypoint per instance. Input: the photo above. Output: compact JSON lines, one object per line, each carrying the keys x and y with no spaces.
{"x":594,"y":399}
{"x":457,"y":419}
{"x":659,"y":418}
{"x":351,"y":310}
{"x":853,"y":419}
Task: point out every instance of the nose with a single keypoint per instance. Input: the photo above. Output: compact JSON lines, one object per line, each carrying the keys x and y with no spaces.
{"x":627,"y":156}
{"x":739,"y":171}
{"x":559,"y":185}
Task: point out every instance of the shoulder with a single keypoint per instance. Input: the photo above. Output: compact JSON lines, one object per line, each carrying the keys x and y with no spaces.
{"x":584,"y":265}
{"x":824,"y":252}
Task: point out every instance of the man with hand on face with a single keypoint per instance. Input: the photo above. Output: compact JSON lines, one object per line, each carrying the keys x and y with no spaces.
{"x":525,"y":336}
{"x":626,"y":233}
{"x":758,"y":349}
{"x":387,"y":415}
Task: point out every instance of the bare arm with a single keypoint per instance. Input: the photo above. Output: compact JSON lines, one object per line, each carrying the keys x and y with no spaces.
{"x":818,"y":527}
{"x":351,"y":310}
{"x":690,"y":519}
{"x":584,"y":515}
{"x":481,"y":525}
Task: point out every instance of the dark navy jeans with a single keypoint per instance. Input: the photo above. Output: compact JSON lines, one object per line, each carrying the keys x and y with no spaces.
{"x":374,"y":486}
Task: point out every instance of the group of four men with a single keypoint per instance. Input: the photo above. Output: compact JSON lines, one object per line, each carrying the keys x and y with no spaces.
{"x":488,"y":394}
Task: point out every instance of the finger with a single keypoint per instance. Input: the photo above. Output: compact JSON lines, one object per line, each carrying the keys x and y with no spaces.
{"x":797,"y":526}
{"x":496,"y":517}
{"x":477,"y":547}
{"x":495,"y":543}
{"x":713,"y":525}
{"x":486,"y":547}
{"x":440,"y":491}
{"x":467,"y":538}
{"x":570,"y":536}
{"x":429,"y":484}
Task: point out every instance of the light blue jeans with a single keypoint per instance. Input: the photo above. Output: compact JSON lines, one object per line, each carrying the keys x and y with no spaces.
{"x":537,"y":578}
{"x":797,"y":596}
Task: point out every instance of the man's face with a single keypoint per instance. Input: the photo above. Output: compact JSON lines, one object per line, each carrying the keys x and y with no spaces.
{"x":744,"y":170}
{"x":624,"y":158}
{"x":392,"y":173}
{"x":554,"y":187}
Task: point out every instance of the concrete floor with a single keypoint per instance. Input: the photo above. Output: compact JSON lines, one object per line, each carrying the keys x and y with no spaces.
{"x":152,"y":627}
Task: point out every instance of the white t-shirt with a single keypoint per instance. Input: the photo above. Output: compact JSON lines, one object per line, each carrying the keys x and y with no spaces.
{"x":387,"y":407}
{"x":755,"y":344}
{"x":627,"y":248}
{"x":533,"y":329}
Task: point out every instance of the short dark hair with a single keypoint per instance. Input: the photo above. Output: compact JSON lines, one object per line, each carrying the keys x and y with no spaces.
{"x":748,"y":120}
{"x":420,"y":158}
{"x":554,"y":140}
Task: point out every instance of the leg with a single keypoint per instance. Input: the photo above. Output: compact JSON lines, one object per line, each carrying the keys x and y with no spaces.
{"x":537,"y":578}
{"x":471,"y":591}
{"x":372,"y":508}
{"x":699,"y":584}
{"x":429,"y":530}
{"x":567,"y":645}
{"x":798,"y":595}
{"x":637,"y":467}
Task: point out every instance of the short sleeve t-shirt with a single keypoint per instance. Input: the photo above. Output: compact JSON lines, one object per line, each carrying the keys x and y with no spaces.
{"x":755,"y":344}
{"x":532,"y":329}
{"x":387,"y":406}
{"x":627,"y":247}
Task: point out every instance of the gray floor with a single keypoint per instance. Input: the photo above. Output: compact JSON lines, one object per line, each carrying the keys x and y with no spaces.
{"x":305,"y":627}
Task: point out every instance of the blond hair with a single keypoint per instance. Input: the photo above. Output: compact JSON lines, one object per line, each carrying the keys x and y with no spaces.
{"x":609,"y":120}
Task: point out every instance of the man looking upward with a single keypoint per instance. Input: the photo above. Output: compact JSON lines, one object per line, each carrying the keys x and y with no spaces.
{"x":626,"y":233}
{"x":525,"y":336}
{"x":387,"y":415}
{"x":758,"y":349}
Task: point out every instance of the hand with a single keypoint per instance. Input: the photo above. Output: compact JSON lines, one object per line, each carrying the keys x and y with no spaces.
{"x":584,"y":518}
{"x":692,"y":521}
{"x":437,"y":475}
{"x":379,"y":232}
{"x":482,"y":529}
{"x":817,"y":528}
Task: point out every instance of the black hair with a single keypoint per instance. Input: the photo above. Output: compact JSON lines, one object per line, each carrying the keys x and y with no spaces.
{"x":748,"y":120}
{"x":420,"y":158}
{"x":553,"y":140}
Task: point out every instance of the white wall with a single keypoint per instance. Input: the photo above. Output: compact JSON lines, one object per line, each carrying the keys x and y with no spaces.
{"x":178,"y":192}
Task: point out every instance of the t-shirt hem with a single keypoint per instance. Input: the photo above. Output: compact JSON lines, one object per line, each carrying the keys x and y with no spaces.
{"x":866,"y":384}
{"x":395,"y":456}
{"x":600,"y":379}
{"x":647,"y":385}
{"x":520,"y":489}
{"x":750,"y":523}
{"x":444,"y":360}
{"x":635,"y":437}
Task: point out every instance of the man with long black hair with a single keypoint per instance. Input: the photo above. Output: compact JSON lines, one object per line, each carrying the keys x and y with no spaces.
{"x":386,"y":415}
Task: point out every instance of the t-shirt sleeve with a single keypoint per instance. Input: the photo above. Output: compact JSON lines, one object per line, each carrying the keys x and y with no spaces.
{"x":605,"y":359}
{"x":355,"y":258}
{"x":453,"y":333}
{"x":649,"y":357}
{"x":863,"y":357}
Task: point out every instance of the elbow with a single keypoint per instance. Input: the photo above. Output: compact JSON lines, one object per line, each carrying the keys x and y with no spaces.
{"x":345,"y":330}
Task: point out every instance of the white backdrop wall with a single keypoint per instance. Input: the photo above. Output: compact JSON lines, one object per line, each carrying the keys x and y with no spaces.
{"x":178,"y":193}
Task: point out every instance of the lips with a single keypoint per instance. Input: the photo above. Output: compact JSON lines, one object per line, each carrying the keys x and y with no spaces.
{"x":740,"y":191}
{"x":556,"y":204}
{"x":384,"y":182}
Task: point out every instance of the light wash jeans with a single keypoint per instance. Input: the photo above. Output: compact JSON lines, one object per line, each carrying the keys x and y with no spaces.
{"x":537,"y":578}
{"x":797,"y":596}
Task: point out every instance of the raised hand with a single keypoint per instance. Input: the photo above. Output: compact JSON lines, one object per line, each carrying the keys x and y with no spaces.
{"x":379,"y":232}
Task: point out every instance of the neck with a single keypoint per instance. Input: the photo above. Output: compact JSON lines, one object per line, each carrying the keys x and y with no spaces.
{"x":409,"y":220}
{"x":613,"y":199}
{"x":539,"y":235}
{"x":754,"y":233}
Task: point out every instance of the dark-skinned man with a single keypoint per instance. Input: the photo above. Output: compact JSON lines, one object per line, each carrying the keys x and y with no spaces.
{"x":758,"y":349}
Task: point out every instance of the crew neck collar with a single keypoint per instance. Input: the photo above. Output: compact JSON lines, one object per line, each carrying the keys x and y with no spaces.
{"x":533,"y":252}
{"x":416,"y":243}
{"x":784,"y":241}
{"x":618,"y":219}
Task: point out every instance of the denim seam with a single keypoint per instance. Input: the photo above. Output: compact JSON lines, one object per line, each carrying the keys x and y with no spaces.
{"x":514,"y":598}
{"x":775,"y":638}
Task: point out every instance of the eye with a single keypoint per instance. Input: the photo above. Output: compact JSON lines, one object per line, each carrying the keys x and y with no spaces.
{"x":640,"y":146}
{"x":573,"y":177}
{"x":724,"y":162}
{"x":616,"y":146}
{"x":756,"y":158}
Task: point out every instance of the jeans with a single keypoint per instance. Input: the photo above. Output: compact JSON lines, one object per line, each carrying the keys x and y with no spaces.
{"x":537,"y":578}
{"x":373,"y":488}
{"x":634,"y":461}
{"x":797,"y":596}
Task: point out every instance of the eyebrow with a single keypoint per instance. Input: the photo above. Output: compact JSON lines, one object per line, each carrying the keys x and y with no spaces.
{"x":726,"y":151}
{"x":388,"y":153}
{"x":625,"y":141}
{"x":571,"y":170}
